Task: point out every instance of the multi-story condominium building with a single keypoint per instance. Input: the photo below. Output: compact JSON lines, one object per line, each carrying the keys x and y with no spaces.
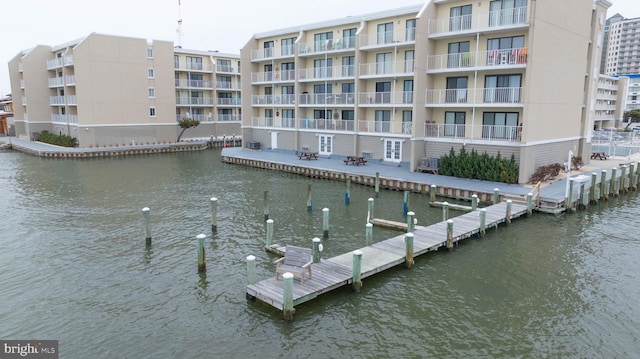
{"x":110,"y":90}
{"x":633,"y":92}
{"x":414,"y":82}
{"x":610,"y":102}
{"x":623,"y":49}
{"x":6,"y":116}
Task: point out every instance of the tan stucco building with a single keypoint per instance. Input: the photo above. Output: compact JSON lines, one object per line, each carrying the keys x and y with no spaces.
{"x":411,"y":83}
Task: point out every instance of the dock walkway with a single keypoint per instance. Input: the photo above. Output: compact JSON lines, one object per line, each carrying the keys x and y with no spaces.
{"x":336,"y":272}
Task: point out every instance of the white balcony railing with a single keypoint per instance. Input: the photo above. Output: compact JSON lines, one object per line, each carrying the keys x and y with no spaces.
{"x":326,"y":73}
{"x":56,"y":81}
{"x":203,"y":84}
{"x":24,"y":100}
{"x":54,"y":63}
{"x":58,"y":118}
{"x":386,"y":69}
{"x":478,"y":22}
{"x":385,"y":98}
{"x":194,"y":101}
{"x":70,"y":79}
{"x":56,"y":100}
{"x":73,"y":118}
{"x":474,"y":132}
{"x":326,"y":124}
{"x":229,"y":117}
{"x":72,"y":100}
{"x":273,"y":76}
{"x":19,"y":66}
{"x":22,"y":84}
{"x":273,"y":99}
{"x":273,"y":122}
{"x":273,"y":52}
{"x":234,"y":101}
{"x":516,"y":57}
{"x":192,"y":66}
{"x":491,"y":95}
{"x":387,"y":38}
{"x":68,"y":60}
{"x":322,"y":46}
{"x":392,"y":127}
{"x":227,"y":69}
{"x":323,"y":99}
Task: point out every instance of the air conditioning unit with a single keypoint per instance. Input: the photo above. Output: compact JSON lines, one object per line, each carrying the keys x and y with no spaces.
{"x":253,"y":145}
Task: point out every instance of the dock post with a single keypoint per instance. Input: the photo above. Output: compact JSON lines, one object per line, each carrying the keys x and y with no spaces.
{"x":529,"y":204}
{"x":325,"y":223}
{"x":377,"y":183}
{"x":266,"y":204}
{"x":347,"y":194}
{"x":316,"y":250}
{"x":370,"y":210}
{"x":432,"y":193}
{"x":214,"y":214}
{"x":592,"y":192}
{"x":309,"y":200}
{"x":356,"y":270}
{"x":410,"y":222}
{"x":483,"y":221}
{"x":450,"y":234}
{"x":496,"y":195}
{"x":408,"y":257}
{"x":632,"y":176}
{"x":508,"y":215}
{"x":623,"y":180}
{"x":368,"y":233}
{"x":405,"y":204}
{"x":445,"y":211}
{"x":147,"y":225}
{"x":269,"y":233}
{"x":251,"y":269}
{"x":474,"y":202}
{"x":603,"y":185}
{"x":569,"y":204}
{"x":581,"y":194}
{"x":614,"y":182}
{"x":202,"y":265}
{"x":287,"y":296}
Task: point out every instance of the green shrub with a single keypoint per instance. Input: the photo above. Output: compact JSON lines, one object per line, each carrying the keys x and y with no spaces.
{"x":479,"y":166}
{"x":58,"y":140}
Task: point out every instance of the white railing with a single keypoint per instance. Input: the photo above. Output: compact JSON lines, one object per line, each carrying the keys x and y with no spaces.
{"x":56,"y":81}
{"x":192,"y":66}
{"x":68,"y":60}
{"x":503,"y":95}
{"x":58,"y":118}
{"x":273,"y":52}
{"x":227,"y":69}
{"x":326,"y":124}
{"x":273,"y":76}
{"x":56,"y":100}
{"x":322,"y":73}
{"x":229,"y":117}
{"x":393,"y":127}
{"x":71,"y":80}
{"x":322,"y":46}
{"x":273,"y":99}
{"x":19,"y":66}
{"x":326,"y":99}
{"x":474,"y":132}
{"x":489,"y":59}
{"x":278,"y":122}
{"x":194,"y":83}
{"x":389,"y":68}
{"x":194,"y":101}
{"x":24,"y":100}
{"x":72,"y":100}
{"x":54,"y":63}
{"x":73,"y":118}
{"x":480,"y":21}
{"x":379,"y":98}
{"x":234,"y":101}
{"x":387,"y":38}
{"x":22,"y":84}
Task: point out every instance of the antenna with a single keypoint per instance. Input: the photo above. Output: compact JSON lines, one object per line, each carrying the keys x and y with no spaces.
{"x":179,"y":29}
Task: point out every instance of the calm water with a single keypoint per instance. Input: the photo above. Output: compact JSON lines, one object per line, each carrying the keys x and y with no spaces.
{"x":74,"y":267}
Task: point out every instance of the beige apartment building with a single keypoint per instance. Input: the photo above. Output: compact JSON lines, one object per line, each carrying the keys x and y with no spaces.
{"x":113,"y":91}
{"x":610,"y":102}
{"x":504,"y":76}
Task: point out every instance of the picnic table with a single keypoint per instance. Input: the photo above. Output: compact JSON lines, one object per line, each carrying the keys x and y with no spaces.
{"x":307,"y":155}
{"x":598,"y":155}
{"x":355,"y":160}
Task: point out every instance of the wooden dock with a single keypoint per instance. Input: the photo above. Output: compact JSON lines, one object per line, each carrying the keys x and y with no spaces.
{"x":336,"y":272}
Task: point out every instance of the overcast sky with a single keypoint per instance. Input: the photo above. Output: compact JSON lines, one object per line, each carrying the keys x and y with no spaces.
{"x":207,"y":24}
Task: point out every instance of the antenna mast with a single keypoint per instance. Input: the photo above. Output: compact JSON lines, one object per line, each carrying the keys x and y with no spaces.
{"x":179,"y":30}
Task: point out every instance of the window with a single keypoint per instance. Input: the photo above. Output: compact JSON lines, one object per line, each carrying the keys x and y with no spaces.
{"x":152,"y":92}
{"x":322,"y":68}
{"x":288,"y":95}
{"x":288,"y":118}
{"x":176,"y":61}
{"x":460,"y":18}
{"x":268,"y":72}
{"x":409,"y":61}
{"x":383,"y":63}
{"x":506,"y":50}
{"x":407,"y":118}
{"x":383,"y":92}
{"x":407,"y":95}
{"x":502,"y":89}
{"x":507,"y":12}
{"x":322,"y":114}
{"x":383,"y":121}
{"x":348,"y":66}
{"x":150,"y":72}
{"x":195,"y":80}
{"x":149,"y":52}
{"x":349,"y":38}
{"x":456,"y":90}
{"x":500,"y":125}
{"x":225,"y":114}
{"x":287,"y":46}
{"x":288,"y":71}
{"x":323,"y":41}
{"x":225,"y":66}
{"x":454,"y":124}
{"x":458,"y":54}
{"x":347,"y":93}
{"x":268,"y":49}
{"x":224,"y":82}
{"x":410,"y":32}
{"x":385,"y":33}
{"x":152,"y":111}
{"x":320,"y":92}
{"x":194,"y":63}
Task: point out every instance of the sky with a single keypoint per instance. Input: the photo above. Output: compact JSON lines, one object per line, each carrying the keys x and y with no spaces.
{"x":225,"y":26}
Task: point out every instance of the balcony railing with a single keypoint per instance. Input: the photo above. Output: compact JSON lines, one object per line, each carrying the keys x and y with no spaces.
{"x":326,"y":99}
{"x":273,"y":76}
{"x":491,"y":95}
{"x":72,"y":100}
{"x":392,"y":127}
{"x":385,"y":98}
{"x":56,"y":100}
{"x":19,"y":66}
{"x":273,"y":99}
{"x":234,"y":101}
{"x":326,"y":73}
{"x":482,"y":59}
{"x":478,"y":22}
{"x":278,"y":122}
{"x":56,"y":81}
{"x":326,"y":124}
{"x":474,"y":132}
{"x":192,"y":66}
{"x":194,"y":101}
{"x":386,"y":69}
{"x":273,"y":52}
{"x":71,"y":80}
{"x":227,"y":69}
{"x":58,"y":118}
{"x":387,"y":38}
{"x":24,"y":100}
{"x":229,"y":117}
{"x":323,"y":46}
{"x":54,"y":63}
{"x":203,"y":84}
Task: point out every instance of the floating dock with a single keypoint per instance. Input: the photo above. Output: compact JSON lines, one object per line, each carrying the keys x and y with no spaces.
{"x":336,"y":272}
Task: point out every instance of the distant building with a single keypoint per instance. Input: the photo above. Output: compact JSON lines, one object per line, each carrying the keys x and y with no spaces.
{"x":111,"y":90}
{"x":6,"y":116}
{"x":623,"y":46}
{"x":610,"y":102}
{"x":412,"y":83}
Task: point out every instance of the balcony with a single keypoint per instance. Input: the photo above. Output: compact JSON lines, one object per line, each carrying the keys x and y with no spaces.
{"x":259,"y":100}
{"x":324,"y":99}
{"x":346,"y":44}
{"x":225,"y":85}
{"x":388,"y":39}
{"x":326,"y":125}
{"x":71,"y":80}
{"x":19,"y":66}
{"x":371,"y":99}
{"x":58,"y":118}
{"x":491,"y":96}
{"x":226,"y":69}
{"x":386,"y":69}
{"x":192,"y":66}
{"x":229,"y":117}
{"x":56,"y":82}
{"x":194,"y":101}
{"x":507,"y":19}
{"x":327,"y":73}
{"x":277,"y":122}
{"x":273,"y":76}
{"x":72,"y":100}
{"x":54,"y":63}
{"x":492,"y":133}
{"x":389,"y":127}
{"x":482,"y":60}
{"x":272,"y":53}
{"x":234,"y":101}
{"x":198,"y":84}
{"x":24,"y":100}
{"x":56,"y":100}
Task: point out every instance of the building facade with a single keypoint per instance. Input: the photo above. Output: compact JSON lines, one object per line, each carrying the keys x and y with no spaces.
{"x":412,"y":83}
{"x":111,"y":91}
{"x":623,"y":48}
{"x":610,"y":102}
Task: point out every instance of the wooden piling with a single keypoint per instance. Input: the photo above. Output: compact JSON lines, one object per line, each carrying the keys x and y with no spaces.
{"x":368,"y":233}
{"x":214,"y":214}
{"x":474,"y":202}
{"x":347,"y":194}
{"x":377,"y":184}
{"x":603,"y":185}
{"x":309,"y":200}
{"x":496,"y":195}
{"x":265,"y":199}
{"x":432,"y":193}
{"x":316,"y":250}
{"x":529,"y":204}
{"x":287,"y":296}
{"x":614,"y":182}
{"x":450,"y":234}
{"x":370,"y":209}
{"x":508,"y":215}
{"x":623,"y":180}
{"x":483,"y":222}
{"x":325,"y":223}
{"x":356,"y":270}
{"x":147,"y":225}
{"x":592,"y":192}
{"x":408,"y":258}
{"x":269,"y":240}
{"x":405,"y":204}
{"x":251,"y":269}
{"x":632,"y":176}
{"x":569,"y":204}
{"x":445,"y":211}
{"x":410,"y":221}
{"x":202,"y":264}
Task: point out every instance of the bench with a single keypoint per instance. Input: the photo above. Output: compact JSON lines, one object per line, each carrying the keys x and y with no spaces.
{"x":598,"y":155}
{"x":308,"y":155}
{"x":355,"y":160}
{"x":296,"y":261}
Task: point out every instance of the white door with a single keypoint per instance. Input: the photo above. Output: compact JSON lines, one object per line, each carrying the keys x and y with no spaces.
{"x":392,"y":150}
{"x":274,"y":140}
{"x":325,"y":144}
